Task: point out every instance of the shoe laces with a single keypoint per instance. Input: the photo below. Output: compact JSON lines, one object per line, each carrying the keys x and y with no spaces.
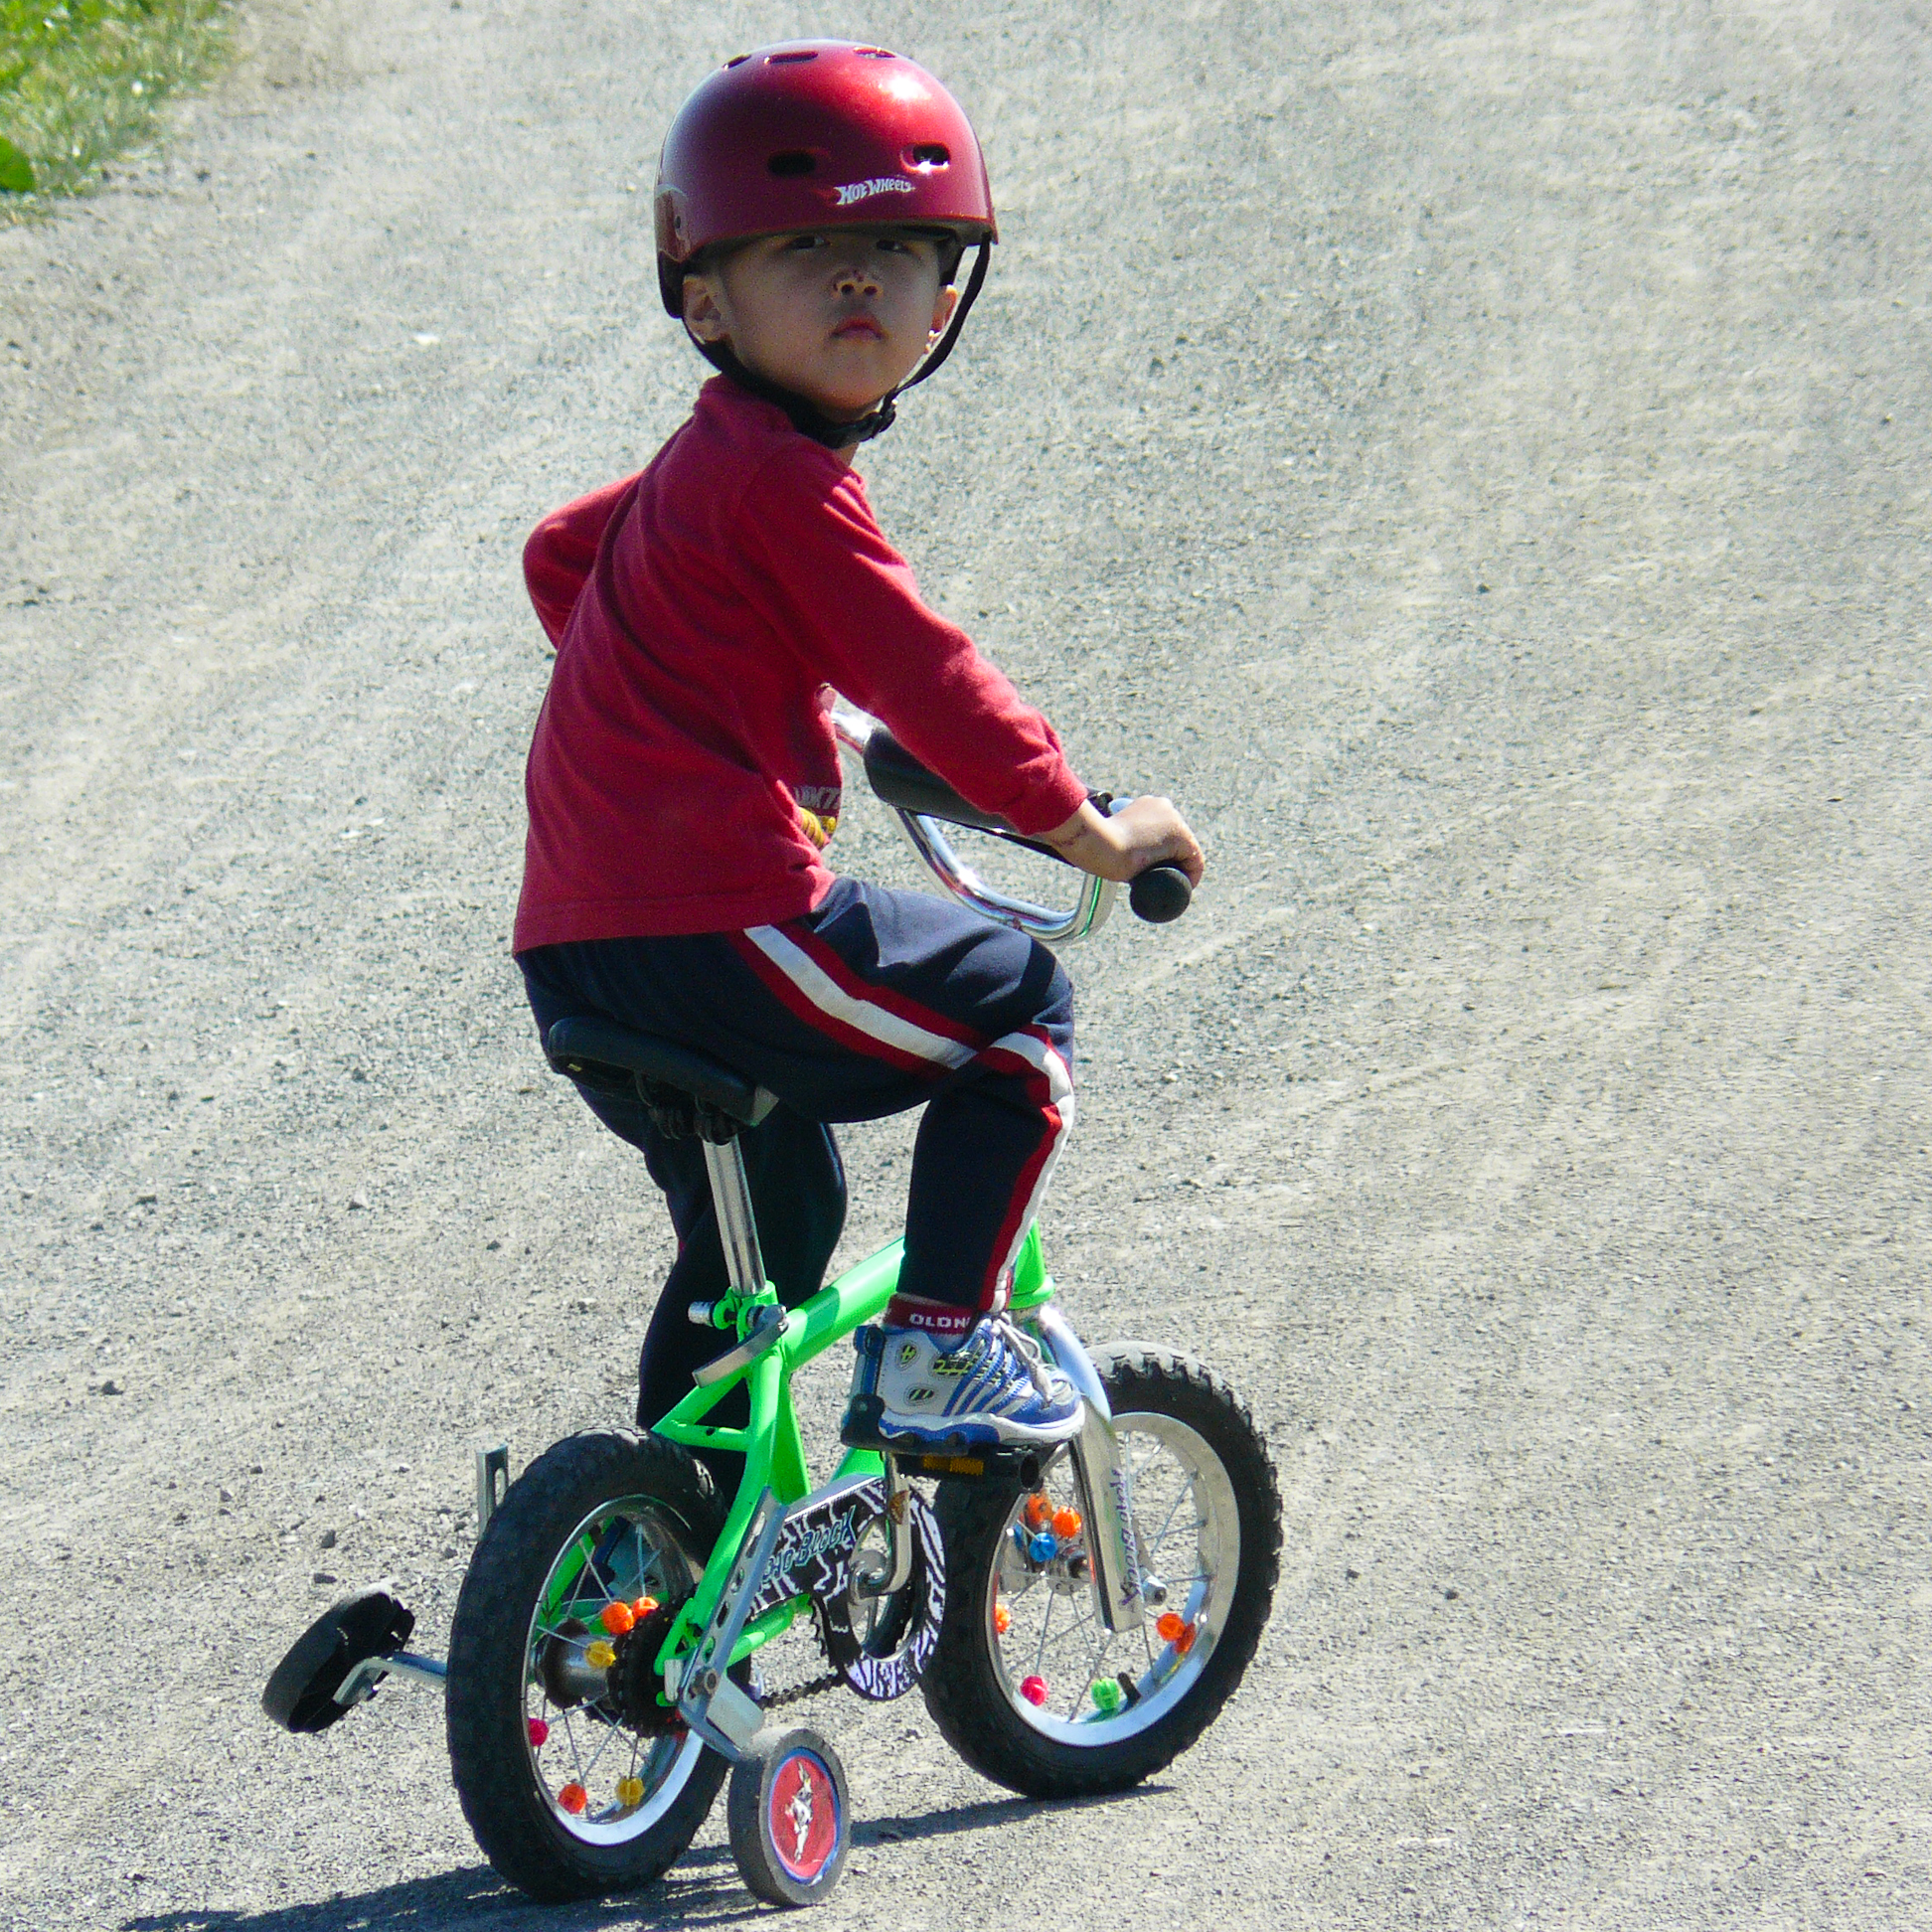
{"x":1020,"y":1343}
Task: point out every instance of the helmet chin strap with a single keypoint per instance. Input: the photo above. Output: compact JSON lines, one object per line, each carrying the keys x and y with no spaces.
{"x":806,"y":416}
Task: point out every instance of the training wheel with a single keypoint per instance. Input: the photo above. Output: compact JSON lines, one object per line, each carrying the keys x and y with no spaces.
{"x":790,"y":1818}
{"x":367,"y":1623}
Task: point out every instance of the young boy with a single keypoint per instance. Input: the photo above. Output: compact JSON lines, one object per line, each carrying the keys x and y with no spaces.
{"x":814,"y":203}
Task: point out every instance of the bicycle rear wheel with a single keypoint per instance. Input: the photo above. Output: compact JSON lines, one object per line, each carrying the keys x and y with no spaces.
{"x":575,"y":1781}
{"x":1027,"y":1683}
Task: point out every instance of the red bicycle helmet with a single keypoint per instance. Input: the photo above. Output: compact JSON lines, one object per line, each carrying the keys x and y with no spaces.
{"x":810,"y":135}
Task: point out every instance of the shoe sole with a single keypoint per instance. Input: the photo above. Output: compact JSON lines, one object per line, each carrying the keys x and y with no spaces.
{"x":991,"y":1433}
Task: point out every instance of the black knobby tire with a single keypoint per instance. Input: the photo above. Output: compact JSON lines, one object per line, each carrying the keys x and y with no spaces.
{"x":972,"y":1696}
{"x":520,"y":1828}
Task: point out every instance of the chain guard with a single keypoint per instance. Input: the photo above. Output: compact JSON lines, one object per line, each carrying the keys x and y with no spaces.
{"x":814,"y":1557}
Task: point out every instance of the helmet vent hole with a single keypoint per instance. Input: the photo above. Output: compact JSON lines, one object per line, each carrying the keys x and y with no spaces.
{"x":928,"y":154}
{"x":738,"y":60}
{"x":792,"y":163}
{"x":875,"y":54}
{"x":785,"y":60}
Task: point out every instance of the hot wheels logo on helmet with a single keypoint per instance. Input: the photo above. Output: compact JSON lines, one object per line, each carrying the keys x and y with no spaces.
{"x":858,"y":191}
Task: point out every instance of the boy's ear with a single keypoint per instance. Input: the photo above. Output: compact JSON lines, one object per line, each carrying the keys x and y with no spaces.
{"x":701,"y":315}
{"x":941,"y":309}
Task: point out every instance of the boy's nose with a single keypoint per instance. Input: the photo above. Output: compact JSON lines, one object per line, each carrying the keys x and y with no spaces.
{"x":854,"y":279}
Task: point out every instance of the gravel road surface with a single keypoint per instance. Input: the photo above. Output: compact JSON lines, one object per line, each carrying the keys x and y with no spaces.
{"x":1473,"y":457}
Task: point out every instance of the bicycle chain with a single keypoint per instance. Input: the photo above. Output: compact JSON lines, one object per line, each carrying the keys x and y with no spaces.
{"x":798,"y":1692}
{"x":833,"y":1679}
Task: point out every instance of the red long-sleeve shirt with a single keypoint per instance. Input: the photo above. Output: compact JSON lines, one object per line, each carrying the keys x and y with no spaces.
{"x":684,"y":774}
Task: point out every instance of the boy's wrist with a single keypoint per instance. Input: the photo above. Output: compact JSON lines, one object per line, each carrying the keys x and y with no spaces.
{"x":1085,"y":840}
{"x":1085,"y":822}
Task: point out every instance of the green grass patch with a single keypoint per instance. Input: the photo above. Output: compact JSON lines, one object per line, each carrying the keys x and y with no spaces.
{"x":82,"y":80}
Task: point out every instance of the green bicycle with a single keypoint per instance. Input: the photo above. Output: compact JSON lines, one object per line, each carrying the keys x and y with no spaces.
{"x":1074,"y":1618}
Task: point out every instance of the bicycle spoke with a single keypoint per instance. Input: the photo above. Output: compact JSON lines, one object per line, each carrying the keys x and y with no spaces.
{"x":1045,"y":1624}
{"x":1096,"y":1653}
{"x":1159,"y":1535}
{"x":584,"y":1774}
{"x":569,"y":1738}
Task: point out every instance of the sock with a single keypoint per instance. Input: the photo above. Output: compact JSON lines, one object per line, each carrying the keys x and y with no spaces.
{"x":948,"y":1325}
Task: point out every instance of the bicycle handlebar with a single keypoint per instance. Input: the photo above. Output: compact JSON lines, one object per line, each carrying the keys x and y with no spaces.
{"x":1160,"y":894}
{"x":925,"y":803}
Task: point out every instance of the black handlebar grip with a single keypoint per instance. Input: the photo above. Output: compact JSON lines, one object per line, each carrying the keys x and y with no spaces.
{"x":1160,"y":894}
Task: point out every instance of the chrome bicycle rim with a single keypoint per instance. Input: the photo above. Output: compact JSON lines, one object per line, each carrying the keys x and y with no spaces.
{"x":1062,"y":1671}
{"x":604,"y":1781}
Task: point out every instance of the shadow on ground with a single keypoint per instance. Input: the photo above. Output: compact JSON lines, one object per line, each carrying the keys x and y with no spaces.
{"x":702,"y":1888}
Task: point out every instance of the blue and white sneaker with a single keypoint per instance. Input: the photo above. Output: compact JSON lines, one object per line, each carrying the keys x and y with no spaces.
{"x":992,"y":1391}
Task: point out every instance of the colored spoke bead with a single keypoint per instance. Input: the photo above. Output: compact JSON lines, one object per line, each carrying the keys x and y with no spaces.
{"x":1037,"y":1510}
{"x":599,"y":1656}
{"x":1170,"y":1626}
{"x":1067,"y":1524}
{"x":1106,"y":1697}
{"x":1185,"y":1641}
{"x":1002,"y":1620}
{"x":617,"y":1618}
{"x":539,"y":1733}
{"x":574,"y":1798}
{"x":643,"y":1607}
{"x":1034,"y":1690}
{"x":1044,"y":1548}
{"x":630,"y":1791}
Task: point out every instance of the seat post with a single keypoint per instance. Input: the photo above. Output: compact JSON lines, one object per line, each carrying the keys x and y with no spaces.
{"x":737,"y":1228}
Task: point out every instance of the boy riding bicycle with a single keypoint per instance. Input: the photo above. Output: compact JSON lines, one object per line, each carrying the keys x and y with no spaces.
{"x":813,"y":205}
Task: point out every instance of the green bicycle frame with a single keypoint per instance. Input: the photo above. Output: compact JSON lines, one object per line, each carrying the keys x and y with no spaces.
{"x":773,"y":1452}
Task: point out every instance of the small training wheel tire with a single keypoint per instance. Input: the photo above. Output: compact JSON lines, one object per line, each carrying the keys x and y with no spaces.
{"x":365,"y":1623}
{"x":790,"y":1816}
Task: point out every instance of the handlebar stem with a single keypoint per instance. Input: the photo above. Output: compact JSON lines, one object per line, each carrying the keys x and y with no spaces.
{"x":935,"y":851}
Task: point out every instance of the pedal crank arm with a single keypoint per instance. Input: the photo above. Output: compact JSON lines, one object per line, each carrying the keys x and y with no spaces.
{"x":898,"y":1488}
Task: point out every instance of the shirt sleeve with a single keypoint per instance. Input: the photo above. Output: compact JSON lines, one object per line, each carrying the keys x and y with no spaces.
{"x":853,"y":608}
{"x":560,"y":551}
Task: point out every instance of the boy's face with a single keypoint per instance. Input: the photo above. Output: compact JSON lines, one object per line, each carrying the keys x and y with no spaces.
{"x":839,"y":316}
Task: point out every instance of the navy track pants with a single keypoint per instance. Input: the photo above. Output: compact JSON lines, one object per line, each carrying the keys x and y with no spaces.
{"x":876,"y":1002}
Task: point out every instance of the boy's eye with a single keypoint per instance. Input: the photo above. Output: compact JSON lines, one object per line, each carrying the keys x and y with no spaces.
{"x":804,"y":241}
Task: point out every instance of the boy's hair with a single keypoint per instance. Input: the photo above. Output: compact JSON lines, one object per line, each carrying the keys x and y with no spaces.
{"x":952,"y":250}
{"x":816,"y":134}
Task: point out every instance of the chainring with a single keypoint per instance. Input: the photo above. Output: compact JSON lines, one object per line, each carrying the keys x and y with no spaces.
{"x":881,"y":1646}
{"x":816,"y":1555}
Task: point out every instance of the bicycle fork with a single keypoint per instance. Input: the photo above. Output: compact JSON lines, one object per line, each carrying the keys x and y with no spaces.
{"x":1106,"y":1500}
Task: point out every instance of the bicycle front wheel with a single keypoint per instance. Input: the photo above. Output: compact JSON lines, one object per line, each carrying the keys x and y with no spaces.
{"x":575,"y":1781}
{"x":1027,"y":1683}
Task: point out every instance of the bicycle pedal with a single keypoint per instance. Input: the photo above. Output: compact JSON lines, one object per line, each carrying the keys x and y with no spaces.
{"x":861,"y":1430}
{"x":1020,"y":1467}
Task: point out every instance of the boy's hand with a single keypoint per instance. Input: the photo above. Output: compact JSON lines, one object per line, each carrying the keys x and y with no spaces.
{"x":1149,"y":832}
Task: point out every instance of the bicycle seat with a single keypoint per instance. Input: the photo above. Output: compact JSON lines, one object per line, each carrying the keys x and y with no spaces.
{"x":601,"y":1054}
